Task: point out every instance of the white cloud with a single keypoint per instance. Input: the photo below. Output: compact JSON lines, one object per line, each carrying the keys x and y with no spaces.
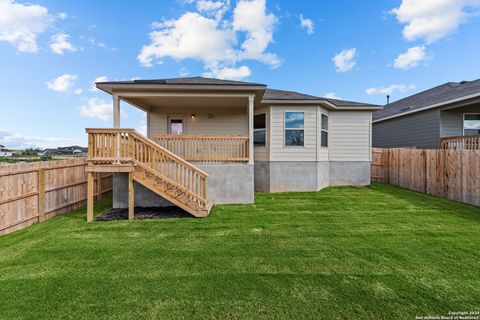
{"x":142,"y":129}
{"x":99,"y":109}
{"x":59,"y":43}
{"x":62,"y":15}
{"x":229,"y":73}
{"x":64,"y":83}
{"x":18,"y":141}
{"x":345,"y":60}
{"x":21,"y":24}
{"x":100,"y":44}
{"x":93,"y":87}
{"x":412,"y":58}
{"x":432,"y":20}
{"x":214,"y":41}
{"x":332,"y":95}
{"x":250,"y":16}
{"x":184,"y":72}
{"x":307,"y":24}
{"x":192,"y":36}
{"x":390,"y":89}
{"x":213,"y":8}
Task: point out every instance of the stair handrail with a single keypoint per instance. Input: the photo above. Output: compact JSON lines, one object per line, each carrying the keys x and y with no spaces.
{"x":150,"y":142}
{"x":123,"y":153}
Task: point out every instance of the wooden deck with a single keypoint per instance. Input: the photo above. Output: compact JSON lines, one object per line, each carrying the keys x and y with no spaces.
{"x":471,"y":142}
{"x":153,"y":166}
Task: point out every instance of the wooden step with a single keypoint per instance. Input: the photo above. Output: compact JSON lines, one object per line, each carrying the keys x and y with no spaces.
{"x":175,"y":199}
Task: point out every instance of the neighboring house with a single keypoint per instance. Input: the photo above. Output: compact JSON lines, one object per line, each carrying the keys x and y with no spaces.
{"x":448,"y":113}
{"x":72,"y":150}
{"x":211,"y":140}
{"x":76,"y":150}
{"x":5,"y":152}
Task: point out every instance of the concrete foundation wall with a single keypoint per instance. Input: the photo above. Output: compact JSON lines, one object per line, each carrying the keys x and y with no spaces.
{"x":349,"y":173}
{"x":262,"y":176}
{"x":229,"y":183}
{"x":284,"y":176}
{"x":226,"y":184}
{"x":293,"y":176}
{"x":143,"y":197}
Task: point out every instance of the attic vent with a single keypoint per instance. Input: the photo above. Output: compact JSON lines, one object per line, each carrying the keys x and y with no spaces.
{"x":463,"y":82}
{"x":407,"y":108}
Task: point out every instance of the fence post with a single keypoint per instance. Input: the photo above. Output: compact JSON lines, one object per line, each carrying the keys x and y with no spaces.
{"x":90,"y":196}
{"x":41,"y":194}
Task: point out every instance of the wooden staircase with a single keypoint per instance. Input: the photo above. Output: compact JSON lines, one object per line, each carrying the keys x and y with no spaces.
{"x":151,"y":165}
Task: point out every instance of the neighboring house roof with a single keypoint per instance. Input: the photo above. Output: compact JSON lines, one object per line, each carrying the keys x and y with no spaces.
{"x":435,"y":97}
{"x":283,"y":95}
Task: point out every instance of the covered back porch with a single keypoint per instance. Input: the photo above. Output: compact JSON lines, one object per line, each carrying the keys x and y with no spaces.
{"x":198,"y":148}
{"x":200,"y":127}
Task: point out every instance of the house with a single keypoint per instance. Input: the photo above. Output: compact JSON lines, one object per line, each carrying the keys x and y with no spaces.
{"x":5,"y":152}
{"x":217,"y":141}
{"x":72,"y":150}
{"x":75,"y":150}
{"x":446,"y":116}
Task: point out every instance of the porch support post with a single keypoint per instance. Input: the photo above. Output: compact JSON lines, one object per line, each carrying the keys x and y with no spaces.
{"x":250,"y":130}
{"x":90,"y":196}
{"x":131,"y":193}
{"x":116,"y":111}
{"x":116,"y":124}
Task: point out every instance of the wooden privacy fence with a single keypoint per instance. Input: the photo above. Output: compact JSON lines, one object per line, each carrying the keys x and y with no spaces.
{"x":452,"y":174}
{"x":34,"y":192}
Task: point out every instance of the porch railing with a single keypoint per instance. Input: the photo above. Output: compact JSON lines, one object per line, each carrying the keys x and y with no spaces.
{"x":470,"y":142}
{"x":111,"y":146}
{"x":206,"y":147}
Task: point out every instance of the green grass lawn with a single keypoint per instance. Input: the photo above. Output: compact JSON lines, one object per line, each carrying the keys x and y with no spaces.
{"x":378,"y":252}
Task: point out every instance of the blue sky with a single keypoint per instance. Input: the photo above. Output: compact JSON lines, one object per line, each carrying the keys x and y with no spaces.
{"x":52,"y":51}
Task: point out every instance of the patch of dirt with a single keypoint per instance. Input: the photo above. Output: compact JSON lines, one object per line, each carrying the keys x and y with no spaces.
{"x":144,"y":213}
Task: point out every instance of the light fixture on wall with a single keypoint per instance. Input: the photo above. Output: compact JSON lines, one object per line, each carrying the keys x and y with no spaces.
{"x":193,"y":116}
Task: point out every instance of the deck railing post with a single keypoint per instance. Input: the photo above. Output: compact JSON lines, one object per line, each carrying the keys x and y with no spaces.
{"x":250,"y":129}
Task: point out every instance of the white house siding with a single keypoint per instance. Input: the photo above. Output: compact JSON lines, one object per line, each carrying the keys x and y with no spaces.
{"x":278,"y":151}
{"x":350,"y":136}
{"x":262,"y":153}
{"x":231,"y":120}
{"x":322,"y":152}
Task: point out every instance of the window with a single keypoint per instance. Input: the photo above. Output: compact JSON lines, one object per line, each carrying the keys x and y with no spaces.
{"x":471,"y":123}
{"x":324,"y":142}
{"x":259,"y":130}
{"x":294,"y":129}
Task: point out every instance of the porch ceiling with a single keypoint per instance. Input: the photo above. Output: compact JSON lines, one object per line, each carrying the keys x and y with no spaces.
{"x":150,"y":103}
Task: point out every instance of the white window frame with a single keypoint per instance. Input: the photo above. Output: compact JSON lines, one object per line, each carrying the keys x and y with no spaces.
{"x":285,"y":128}
{"x":323,"y":130}
{"x":265,"y":129}
{"x":463,"y":120}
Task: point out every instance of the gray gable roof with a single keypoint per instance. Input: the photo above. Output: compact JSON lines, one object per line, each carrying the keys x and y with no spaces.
{"x":437,"y":95}
{"x":268,"y":94}
{"x":273,"y":94}
{"x":187,"y":81}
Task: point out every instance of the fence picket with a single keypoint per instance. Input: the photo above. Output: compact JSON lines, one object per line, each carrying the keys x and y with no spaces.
{"x":448,"y":173}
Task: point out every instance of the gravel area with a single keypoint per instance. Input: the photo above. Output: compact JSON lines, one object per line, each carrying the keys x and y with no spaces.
{"x":144,"y":213}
